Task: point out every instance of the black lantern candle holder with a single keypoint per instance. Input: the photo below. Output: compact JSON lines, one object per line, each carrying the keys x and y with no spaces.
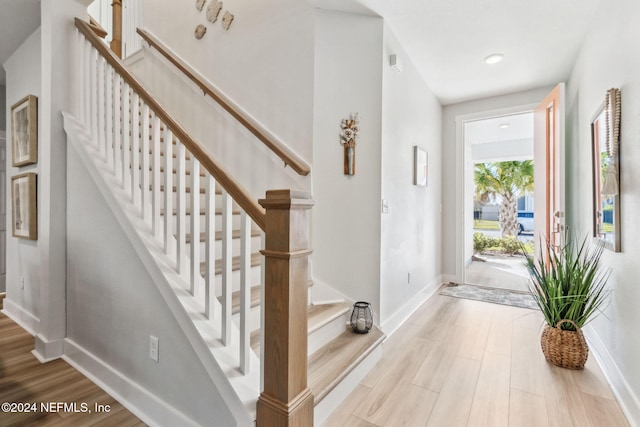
{"x":361,"y":317}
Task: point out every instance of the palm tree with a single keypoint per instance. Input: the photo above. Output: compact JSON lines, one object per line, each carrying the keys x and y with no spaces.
{"x":507,"y":180}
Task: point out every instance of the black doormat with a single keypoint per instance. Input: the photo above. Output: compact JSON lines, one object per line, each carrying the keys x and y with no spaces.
{"x":494,"y":295}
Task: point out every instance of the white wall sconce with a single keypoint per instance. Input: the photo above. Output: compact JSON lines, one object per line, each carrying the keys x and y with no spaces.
{"x":395,"y":63}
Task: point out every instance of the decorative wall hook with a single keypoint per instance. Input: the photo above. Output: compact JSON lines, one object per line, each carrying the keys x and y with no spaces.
{"x":348,"y":139}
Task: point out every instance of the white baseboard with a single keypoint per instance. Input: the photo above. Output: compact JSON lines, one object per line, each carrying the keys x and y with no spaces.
{"x":401,"y":315}
{"x":47,"y":350}
{"x":149,"y":408}
{"x":628,"y":400}
{"x":26,"y":320}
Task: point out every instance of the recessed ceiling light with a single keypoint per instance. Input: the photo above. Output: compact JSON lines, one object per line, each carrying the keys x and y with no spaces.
{"x":504,"y":125}
{"x":494,"y":58}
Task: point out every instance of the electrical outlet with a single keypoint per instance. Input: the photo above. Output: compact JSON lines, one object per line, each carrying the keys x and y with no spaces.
{"x":409,"y":277}
{"x":153,"y":348}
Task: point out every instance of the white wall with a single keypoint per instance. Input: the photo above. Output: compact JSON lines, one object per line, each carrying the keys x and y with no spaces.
{"x":452,"y":170}
{"x":411,"y":230}
{"x":23,"y":70}
{"x":346,"y":217}
{"x":610,"y":57}
{"x":246,"y":158}
{"x":264,"y":62}
{"x":114,"y":306}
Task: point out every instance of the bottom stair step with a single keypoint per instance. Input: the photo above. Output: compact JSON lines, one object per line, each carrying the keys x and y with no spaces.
{"x":332,"y":363}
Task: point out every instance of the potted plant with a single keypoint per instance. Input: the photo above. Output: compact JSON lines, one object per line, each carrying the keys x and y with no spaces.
{"x":569,"y":286}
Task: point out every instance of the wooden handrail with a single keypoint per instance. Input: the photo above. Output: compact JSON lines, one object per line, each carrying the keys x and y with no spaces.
{"x":242,"y":198}
{"x":271,"y":141}
{"x":97,"y":28}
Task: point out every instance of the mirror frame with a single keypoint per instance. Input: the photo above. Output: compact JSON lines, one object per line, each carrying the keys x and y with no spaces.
{"x":596,"y":184}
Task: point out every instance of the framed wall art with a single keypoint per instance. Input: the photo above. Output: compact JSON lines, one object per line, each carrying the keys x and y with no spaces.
{"x":420,"y":167}
{"x":24,"y":131}
{"x":24,"y":217}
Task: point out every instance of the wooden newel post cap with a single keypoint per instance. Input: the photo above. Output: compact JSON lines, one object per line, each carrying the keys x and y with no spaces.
{"x":286,"y":199}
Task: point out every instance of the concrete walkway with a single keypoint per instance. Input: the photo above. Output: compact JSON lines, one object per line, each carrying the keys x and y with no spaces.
{"x":499,"y":271}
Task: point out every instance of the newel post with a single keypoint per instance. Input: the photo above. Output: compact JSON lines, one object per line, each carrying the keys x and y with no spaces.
{"x":116,"y":26}
{"x":286,"y":400}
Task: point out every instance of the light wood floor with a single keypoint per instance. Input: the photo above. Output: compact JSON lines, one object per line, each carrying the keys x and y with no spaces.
{"x":467,"y":363}
{"x":25,"y":380}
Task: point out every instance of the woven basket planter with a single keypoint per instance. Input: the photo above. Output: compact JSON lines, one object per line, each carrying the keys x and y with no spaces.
{"x":566,"y":349}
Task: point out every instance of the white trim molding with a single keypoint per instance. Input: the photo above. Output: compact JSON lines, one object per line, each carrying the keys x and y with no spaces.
{"x":148,"y":407}
{"x":397,"y":319}
{"x":26,"y":320}
{"x":627,"y":399}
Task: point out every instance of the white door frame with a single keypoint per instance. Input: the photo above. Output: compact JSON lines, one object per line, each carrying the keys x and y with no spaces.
{"x":464,"y":208}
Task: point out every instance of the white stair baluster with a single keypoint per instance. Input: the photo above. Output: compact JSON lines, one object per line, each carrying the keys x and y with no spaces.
{"x":126,"y":137}
{"x":144,"y":170}
{"x":226,"y":268}
{"x":108,"y":122}
{"x":245,"y":292}
{"x":86,"y":106}
{"x":195,"y":224}
{"x":93,"y":72}
{"x":135,"y":150}
{"x":168,"y":196}
{"x":210,"y":248}
{"x":80,"y":85}
{"x":101,"y":112}
{"x":117,"y":134}
{"x":180,"y":209}
{"x":156,"y":178}
{"x":263,"y":242}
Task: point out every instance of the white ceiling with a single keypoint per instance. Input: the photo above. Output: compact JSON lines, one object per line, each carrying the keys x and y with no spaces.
{"x":18,"y":20}
{"x":447,"y":40}
{"x":520,"y":127}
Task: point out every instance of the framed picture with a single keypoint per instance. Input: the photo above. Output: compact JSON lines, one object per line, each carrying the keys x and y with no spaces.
{"x":23,"y":207}
{"x":420,"y":167}
{"x":24,"y":131}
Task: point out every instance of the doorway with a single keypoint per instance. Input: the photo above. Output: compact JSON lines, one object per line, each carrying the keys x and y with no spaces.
{"x":549,"y":159}
{"x":501,"y":167}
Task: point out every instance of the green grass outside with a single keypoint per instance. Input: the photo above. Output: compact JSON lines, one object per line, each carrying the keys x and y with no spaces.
{"x":481,"y":224}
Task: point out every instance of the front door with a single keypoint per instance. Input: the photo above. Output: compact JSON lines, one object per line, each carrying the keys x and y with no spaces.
{"x":549,"y":169}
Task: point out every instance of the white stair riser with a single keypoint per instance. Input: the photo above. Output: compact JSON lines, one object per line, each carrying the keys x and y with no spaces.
{"x":203,"y":199}
{"x":320,"y":337}
{"x":235,"y":223}
{"x":235,"y":247}
{"x":254,"y":279}
{"x":254,"y":318}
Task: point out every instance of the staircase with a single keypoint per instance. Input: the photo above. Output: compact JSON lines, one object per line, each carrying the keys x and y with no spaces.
{"x":233,"y":272}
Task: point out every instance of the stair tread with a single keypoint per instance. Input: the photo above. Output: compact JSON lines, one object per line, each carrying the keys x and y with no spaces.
{"x":203,"y":211}
{"x":186,"y":189}
{"x":320,"y":315}
{"x":235,"y":300}
{"x":235,"y":234}
{"x":328,"y":366}
{"x":317,"y":316}
{"x":256,"y":259}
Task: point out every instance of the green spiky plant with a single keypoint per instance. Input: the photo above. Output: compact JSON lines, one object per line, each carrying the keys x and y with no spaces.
{"x":571,"y":285}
